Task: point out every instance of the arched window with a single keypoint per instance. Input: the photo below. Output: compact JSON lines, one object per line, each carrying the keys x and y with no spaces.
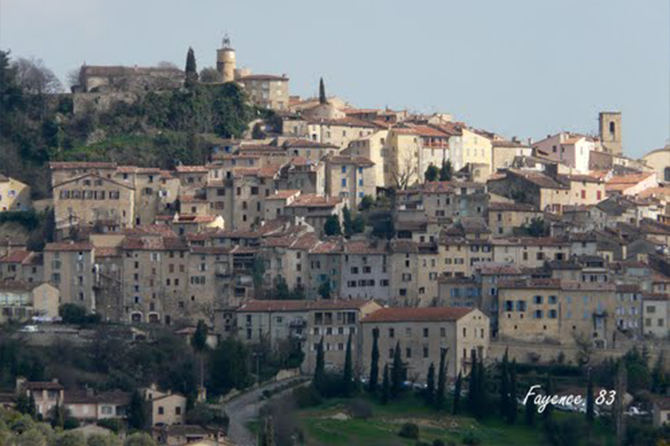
{"x":666,"y":174}
{"x":612,"y":128}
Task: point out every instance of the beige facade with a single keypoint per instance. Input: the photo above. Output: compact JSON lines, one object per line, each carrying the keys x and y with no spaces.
{"x":655,"y":312}
{"x":371,"y":147}
{"x":93,"y":199}
{"x":551,"y":310}
{"x":504,"y":218}
{"x":422,"y":334}
{"x":659,"y":161}
{"x":504,"y":152}
{"x":70,"y":267}
{"x":350,"y":179}
{"x":165,"y":408}
{"x":266,"y":90}
{"x":22,"y":301}
{"x":339,"y":132}
{"x":14,"y":195}
{"x":307,"y":322}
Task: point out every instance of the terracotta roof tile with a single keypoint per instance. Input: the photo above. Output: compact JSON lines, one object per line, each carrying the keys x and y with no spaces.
{"x":424,"y":314}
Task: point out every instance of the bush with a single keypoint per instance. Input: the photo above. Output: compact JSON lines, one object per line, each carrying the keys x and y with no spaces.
{"x":113,"y":424}
{"x":471,"y":439}
{"x":409,"y":430}
{"x":360,"y":409}
{"x":306,"y":396}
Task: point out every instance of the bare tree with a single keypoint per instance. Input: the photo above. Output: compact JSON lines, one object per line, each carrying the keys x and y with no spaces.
{"x":72,"y":78}
{"x":35,"y":77}
{"x":167,"y":64}
{"x":210,"y":75}
{"x":406,"y":170}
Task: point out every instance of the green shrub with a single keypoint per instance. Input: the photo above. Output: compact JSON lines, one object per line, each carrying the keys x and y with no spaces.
{"x":113,"y":424}
{"x":409,"y":430}
{"x":360,"y":409}
{"x":306,"y":396}
{"x":471,"y":439}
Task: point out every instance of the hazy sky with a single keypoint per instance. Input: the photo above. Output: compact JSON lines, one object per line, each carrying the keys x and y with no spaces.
{"x":516,"y":67}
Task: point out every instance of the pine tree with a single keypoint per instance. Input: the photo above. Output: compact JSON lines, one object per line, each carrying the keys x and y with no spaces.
{"x":457,"y":395}
{"x":396,"y":372}
{"x":590,"y":403}
{"x":347,"y":222}
{"x":432,"y":173}
{"x":386,"y":386}
{"x":440,"y":397}
{"x":320,"y":369}
{"x":504,"y":386}
{"x":348,"y":375}
{"x":322,"y":93}
{"x":374,"y":361}
{"x":430,"y":385}
{"x":191,"y":70}
{"x":199,"y":344}
{"x":511,"y":413}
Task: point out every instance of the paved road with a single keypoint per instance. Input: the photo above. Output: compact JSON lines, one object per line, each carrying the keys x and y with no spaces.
{"x":244,"y":409}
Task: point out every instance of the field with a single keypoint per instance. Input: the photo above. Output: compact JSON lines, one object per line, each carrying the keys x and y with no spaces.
{"x":329,"y":424}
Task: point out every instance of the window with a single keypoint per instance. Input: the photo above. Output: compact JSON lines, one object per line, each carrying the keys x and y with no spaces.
{"x":391,"y":333}
{"x":177,"y":410}
{"x":344,"y":182}
{"x":390,"y":353}
{"x":408,"y":352}
{"x":443,"y":332}
{"x":425,"y":332}
{"x":161,"y":410}
{"x":344,"y":169}
{"x":537,"y":314}
{"x":537,"y":300}
{"x":552,"y":300}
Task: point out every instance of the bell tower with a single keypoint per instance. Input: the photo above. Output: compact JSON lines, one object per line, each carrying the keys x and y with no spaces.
{"x":610,"y":132}
{"x":225,"y":61}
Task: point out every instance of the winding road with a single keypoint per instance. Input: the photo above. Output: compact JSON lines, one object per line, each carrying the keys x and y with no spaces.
{"x":244,"y":408}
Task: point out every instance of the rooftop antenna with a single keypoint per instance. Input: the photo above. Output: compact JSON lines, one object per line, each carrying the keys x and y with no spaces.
{"x":226,"y":41}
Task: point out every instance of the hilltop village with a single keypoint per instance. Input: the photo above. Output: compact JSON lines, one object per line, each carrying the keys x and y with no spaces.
{"x":343,"y":231}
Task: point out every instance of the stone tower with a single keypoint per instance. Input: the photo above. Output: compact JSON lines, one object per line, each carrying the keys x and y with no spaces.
{"x":225,"y":61}
{"x":610,"y":132}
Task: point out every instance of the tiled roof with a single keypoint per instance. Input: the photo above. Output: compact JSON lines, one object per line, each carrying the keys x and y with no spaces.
{"x":262,"y":77}
{"x":69,"y":246}
{"x":258,"y":306}
{"x":283,"y":194}
{"x":423,"y":314}
{"x":40,"y":385}
{"x":191,"y":169}
{"x":516,"y":207}
{"x":81,"y":165}
{"x":15,"y":285}
{"x":356,"y":160}
{"x":306,"y":143}
{"x":15,"y":256}
{"x":343,"y":122}
{"x":315,"y":201}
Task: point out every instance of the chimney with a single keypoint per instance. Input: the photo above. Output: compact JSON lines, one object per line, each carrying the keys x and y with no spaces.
{"x":530,"y":141}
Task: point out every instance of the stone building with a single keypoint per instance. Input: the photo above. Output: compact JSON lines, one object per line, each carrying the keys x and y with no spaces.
{"x":14,"y":195}
{"x":21,"y":301}
{"x":350,"y":178}
{"x":307,"y":322}
{"x":70,"y":266}
{"x":422,"y":334}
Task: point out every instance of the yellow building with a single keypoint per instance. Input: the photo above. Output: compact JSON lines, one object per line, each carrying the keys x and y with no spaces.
{"x":14,"y":195}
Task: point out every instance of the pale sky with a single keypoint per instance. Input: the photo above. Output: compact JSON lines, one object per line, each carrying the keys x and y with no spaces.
{"x":522,"y":68}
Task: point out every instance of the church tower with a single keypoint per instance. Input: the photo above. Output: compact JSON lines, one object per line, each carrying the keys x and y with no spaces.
{"x":225,"y":61}
{"x":610,"y":132}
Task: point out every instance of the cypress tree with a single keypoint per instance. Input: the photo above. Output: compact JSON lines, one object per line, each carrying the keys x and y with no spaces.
{"x":548,"y":390}
{"x":348,"y":375}
{"x":386,"y":386}
{"x":530,"y":411}
{"x":472,"y":385}
{"x":440,"y":399}
{"x":511,"y":414}
{"x":396,"y":372}
{"x":504,"y":386}
{"x":322,"y":92}
{"x":590,"y":403}
{"x":374,"y":362}
{"x":457,"y":395}
{"x":347,"y":222}
{"x":191,"y":71}
{"x":481,"y":396}
{"x":320,"y":368}
{"x":430,"y":385}
{"x":136,"y":415}
{"x":445,"y":171}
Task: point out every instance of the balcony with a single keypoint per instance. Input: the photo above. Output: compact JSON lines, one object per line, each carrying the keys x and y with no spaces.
{"x":297,"y":323}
